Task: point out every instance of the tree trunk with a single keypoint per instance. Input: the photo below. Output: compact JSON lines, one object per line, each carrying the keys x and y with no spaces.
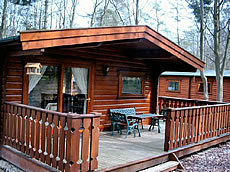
{"x":4,"y":15}
{"x":204,"y":78}
{"x":137,"y":13}
{"x":216,"y":37}
{"x":74,"y":4}
{"x":45,"y":15}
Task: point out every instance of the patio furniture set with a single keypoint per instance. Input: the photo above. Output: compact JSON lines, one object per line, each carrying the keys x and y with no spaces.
{"x":131,"y":119}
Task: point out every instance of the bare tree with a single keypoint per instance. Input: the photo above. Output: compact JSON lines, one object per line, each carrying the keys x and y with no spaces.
{"x":220,"y":58}
{"x":204,"y":78}
{"x":4,"y":16}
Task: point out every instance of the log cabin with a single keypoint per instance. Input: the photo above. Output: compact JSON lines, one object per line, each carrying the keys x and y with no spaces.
{"x":90,"y":70}
{"x":50,"y":77}
{"x":189,"y":85}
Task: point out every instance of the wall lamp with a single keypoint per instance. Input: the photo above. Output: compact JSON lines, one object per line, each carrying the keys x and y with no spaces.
{"x":106,"y":69}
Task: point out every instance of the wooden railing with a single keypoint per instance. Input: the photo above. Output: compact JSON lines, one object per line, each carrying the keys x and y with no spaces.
{"x":192,"y":124}
{"x":67,"y":142}
{"x":174,"y":102}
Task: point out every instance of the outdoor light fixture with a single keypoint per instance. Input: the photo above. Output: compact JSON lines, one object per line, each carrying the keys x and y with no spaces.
{"x":33,"y":68}
{"x":106,"y":70}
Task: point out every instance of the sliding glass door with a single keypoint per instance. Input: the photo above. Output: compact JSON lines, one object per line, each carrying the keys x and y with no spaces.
{"x":75,"y":90}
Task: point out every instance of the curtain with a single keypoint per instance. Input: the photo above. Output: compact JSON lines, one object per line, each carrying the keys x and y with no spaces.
{"x":81,"y":77}
{"x":34,"y":79}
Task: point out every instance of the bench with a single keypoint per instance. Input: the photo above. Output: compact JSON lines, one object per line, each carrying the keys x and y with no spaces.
{"x":120,"y":117}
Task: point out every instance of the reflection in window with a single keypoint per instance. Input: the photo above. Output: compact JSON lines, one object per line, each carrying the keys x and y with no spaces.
{"x":132,"y":85}
{"x":75,"y":90}
{"x":201,"y":87}
{"x":43,"y":88}
{"x":173,"y":86}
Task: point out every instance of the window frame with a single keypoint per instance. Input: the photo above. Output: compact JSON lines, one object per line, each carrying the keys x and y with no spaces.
{"x":122,"y":74}
{"x":61,"y":68}
{"x":172,"y":80}
{"x":198,"y":84}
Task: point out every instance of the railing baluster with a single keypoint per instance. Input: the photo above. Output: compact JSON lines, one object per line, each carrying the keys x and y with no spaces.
{"x":85,"y":144}
{"x":55,"y":140}
{"x":94,"y":144}
{"x":37,"y":135}
{"x":181,"y":129}
{"x":43,"y":138}
{"x":18,"y":139}
{"x":61,"y":143}
{"x":32,"y":151}
{"x":185,"y":127}
{"x":23,"y":129}
{"x":49,"y":133}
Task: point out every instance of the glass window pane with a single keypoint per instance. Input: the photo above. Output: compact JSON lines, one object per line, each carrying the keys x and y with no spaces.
{"x":43,"y":88}
{"x":132,"y":85}
{"x":75,"y":90}
{"x":173,"y":86}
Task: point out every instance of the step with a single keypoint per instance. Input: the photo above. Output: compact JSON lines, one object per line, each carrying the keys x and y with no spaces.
{"x":162,"y":167}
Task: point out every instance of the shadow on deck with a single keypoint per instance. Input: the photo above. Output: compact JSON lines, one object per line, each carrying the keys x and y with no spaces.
{"x":115,"y":150}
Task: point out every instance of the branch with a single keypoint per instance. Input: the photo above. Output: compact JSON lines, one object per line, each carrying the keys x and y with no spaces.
{"x":209,"y":44}
{"x":117,"y":11}
{"x":209,"y":31}
{"x":211,"y":59}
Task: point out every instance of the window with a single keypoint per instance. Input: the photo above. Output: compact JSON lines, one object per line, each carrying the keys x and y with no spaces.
{"x":201,"y":87}
{"x":131,"y":84}
{"x":43,"y":88}
{"x":173,"y":86}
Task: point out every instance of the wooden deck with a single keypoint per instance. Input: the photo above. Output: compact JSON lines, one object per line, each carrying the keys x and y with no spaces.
{"x":115,"y":150}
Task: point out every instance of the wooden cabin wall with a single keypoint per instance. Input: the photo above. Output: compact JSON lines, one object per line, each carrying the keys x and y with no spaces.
{"x":191,"y":92}
{"x":227,"y":89}
{"x":184,"y":86}
{"x":104,"y":88}
{"x":2,"y":87}
{"x":194,"y":89}
{"x":14,"y":79}
{"x":106,"y":93}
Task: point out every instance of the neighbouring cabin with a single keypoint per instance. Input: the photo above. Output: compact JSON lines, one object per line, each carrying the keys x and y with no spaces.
{"x":90,"y":70}
{"x":189,"y":85}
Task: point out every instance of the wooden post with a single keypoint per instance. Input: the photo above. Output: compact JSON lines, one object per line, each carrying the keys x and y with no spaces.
{"x":169,"y":130}
{"x":73,"y":143}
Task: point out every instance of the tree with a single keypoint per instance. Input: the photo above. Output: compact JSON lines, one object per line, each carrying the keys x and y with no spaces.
{"x":220,"y":58}
{"x":198,"y":11}
{"x":4,"y":16}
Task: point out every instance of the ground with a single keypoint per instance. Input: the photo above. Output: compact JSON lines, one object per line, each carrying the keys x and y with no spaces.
{"x":5,"y":166}
{"x":213,"y":159}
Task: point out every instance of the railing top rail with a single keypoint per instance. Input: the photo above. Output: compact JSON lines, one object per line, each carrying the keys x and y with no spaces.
{"x":68,"y":115}
{"x":198,"y":107}
{"x":192,"y":100}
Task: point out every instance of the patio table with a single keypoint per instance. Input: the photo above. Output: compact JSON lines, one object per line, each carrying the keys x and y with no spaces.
{"x":155,"y":119}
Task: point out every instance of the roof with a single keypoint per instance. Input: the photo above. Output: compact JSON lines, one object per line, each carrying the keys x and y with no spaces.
{"x":147,"y":43}
{"x":209,"y":73}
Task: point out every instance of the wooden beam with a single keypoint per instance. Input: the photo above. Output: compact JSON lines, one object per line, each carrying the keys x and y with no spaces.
{"x":27,"y":53}
{"x":23,"y":161}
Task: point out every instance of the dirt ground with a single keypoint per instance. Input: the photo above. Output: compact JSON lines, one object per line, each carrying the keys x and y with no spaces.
{"x":214,"y":159}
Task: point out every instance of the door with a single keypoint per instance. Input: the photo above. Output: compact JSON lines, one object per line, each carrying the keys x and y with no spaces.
{"x":76,"y":90}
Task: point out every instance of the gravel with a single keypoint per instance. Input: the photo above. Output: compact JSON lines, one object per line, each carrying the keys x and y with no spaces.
{"x":214,"y":159}
{"x":5,"y":166}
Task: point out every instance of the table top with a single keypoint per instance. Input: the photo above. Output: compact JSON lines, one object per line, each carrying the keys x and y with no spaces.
{"x":143,"y":116}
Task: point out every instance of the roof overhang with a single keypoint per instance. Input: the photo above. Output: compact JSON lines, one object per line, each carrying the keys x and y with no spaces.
{"x":45,"y":39}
